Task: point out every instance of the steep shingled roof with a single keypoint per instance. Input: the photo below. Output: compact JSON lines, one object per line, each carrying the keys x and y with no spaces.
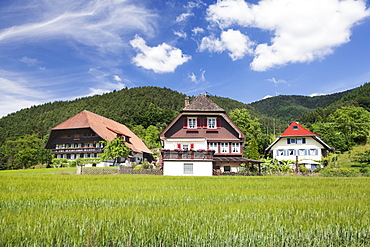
{"x":104,"y":127}
{"x":202,"y":103}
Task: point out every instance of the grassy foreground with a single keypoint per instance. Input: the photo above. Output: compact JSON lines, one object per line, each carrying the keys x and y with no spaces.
{"x":122,"y":210}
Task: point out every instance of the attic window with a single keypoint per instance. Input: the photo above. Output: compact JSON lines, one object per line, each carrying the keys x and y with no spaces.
{"x":295,"y":127}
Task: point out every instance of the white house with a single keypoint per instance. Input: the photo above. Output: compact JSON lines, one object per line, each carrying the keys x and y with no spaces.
{"x":298,"y":142}
{"x":202,"y":140}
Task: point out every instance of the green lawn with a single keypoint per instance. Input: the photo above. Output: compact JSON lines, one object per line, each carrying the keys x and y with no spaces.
{"x":50,"y":209}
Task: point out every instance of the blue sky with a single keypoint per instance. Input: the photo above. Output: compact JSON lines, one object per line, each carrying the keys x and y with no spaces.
{"x":244,"y":50}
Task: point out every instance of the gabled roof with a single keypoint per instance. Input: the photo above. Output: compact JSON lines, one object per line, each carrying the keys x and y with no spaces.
{"x":295,"y":129}
{"x":202,"y":103}
{"x":104,"y":127}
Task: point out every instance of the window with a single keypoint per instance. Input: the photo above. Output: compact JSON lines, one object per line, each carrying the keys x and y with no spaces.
{"x":235,"y":147}
{"x":185,"y":146}
{"x":224,"y":147}
{"x":296,"y":140}
{"x":192,"y":123}
{"x":227,"y":168}
{"x":188,"y":168}
{"x":280,"y":152}
{"x":313,"y":152}
{"x":211,"y":123}
{"x":213,"y":146}
{"x":291,"y":152}
{"x":295,"y":127}
{"x":302,"y":152}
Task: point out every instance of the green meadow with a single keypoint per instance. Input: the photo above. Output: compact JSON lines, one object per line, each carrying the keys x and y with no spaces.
{"x":48,"y":207}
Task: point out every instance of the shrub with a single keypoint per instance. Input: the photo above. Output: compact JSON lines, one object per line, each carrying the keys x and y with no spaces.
{"x":339,"y":172}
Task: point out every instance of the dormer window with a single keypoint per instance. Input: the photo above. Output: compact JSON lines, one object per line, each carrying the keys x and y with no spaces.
{"x":211,"y":123}
{"x":192,"y":123}
{"x":295,"y":127}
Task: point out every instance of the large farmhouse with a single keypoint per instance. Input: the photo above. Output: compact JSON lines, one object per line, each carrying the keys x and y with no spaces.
{"x":202,"y":140}
{"x":298,"y":142}
{"x":81,"y":136}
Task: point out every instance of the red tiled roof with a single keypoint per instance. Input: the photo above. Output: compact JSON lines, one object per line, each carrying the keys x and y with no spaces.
{"x":295,"y":129}
{"x":104,"y":127}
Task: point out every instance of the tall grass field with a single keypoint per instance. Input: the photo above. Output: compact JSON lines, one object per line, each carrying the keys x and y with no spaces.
{"x":44,"y":209}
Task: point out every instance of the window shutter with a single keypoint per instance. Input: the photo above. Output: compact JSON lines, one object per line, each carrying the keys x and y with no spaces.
{"x":317,"y":152}
{"x":185,"y":122}
{"x":218,"y":122}
{"x":288,"y":140}
{"x":303,"y":140}
{"x":205,"y":123}
{"x":199,"y":123}
{"x":277,"y":152}
{"x":305,"y":152}
{"x":191,"y":145}
{"x":179,"y":145}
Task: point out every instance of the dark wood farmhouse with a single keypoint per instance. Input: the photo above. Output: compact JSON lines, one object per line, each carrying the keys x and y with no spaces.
{"x":81,"y":136}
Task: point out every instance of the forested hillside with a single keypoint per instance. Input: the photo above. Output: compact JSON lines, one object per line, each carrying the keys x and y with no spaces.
{"x":359,"y":97}
{"x":307,"y":109}
{"x":135,"y":106}
{"x":291,"y":107}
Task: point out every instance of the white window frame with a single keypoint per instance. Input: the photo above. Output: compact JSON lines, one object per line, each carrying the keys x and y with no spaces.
{"x":213,"y":146}
{"x":211,"y":123}
{"x":192,"y":123}
{"x":235,"y":147}
{"x":224,"y":147}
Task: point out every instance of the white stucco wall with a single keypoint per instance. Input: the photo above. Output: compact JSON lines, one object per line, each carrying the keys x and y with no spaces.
{"x":199,"y":143}
{"x":309,"y":145}
{"x":176,"y":168}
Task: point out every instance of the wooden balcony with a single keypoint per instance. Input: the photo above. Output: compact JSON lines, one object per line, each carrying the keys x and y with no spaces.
{"x":76,"y":150}
{"x":187,"y":155}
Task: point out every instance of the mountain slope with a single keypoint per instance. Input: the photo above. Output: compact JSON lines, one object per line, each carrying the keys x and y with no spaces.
{"x":135,"y":106}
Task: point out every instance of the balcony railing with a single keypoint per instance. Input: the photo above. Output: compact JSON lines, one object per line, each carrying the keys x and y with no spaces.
{"x":187,"y":155}
{"x":76,"y":150}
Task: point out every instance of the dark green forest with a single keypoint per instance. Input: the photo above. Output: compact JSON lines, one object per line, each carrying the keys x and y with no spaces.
{"x":150,"y":109}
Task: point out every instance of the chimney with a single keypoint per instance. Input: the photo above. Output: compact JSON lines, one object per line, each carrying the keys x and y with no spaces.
{"x":186,"y":101}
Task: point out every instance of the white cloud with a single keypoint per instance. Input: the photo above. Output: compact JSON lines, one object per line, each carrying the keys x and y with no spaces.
{"x":197,"y":30}
{"x":180,"y":34}
{"x":277,"y":82}
{"x":234,"y":41}
{"x":117,"y":78}
{"x":98,"y":23}
{"x":267,"y":96}
{"x":106,"y":87}
{"x":161,"y":59}
{"x":15,"y":95}
{"x":316,"y":94}
{"x":183,"y":17}
{"x":304,"y":30}
{"x":196,"y":79}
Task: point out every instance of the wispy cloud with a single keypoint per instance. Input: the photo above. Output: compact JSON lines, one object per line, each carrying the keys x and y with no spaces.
{"x":302,"y":30}
{"x":277,"y":81}
{"x":161,"y":59}
{"x":197,"y":79}
{"x":101,"y":24}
